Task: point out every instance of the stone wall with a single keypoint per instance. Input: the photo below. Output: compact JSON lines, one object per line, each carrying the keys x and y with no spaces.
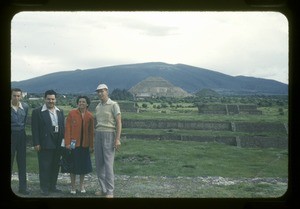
{"x":259,"y":140}
{"x":224,"y":140}
{"x":212,"y":109}
{"x":280,"y":141}
{"x":260,"y":127}
{"x":232,"y":109}
{"x":228,"y":109}
{"x":264,"y":142}
{"x":165,"y":124}
{"x":200,"y":125}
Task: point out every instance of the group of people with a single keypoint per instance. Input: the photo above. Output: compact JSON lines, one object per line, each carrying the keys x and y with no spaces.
{"x":79,"y":133}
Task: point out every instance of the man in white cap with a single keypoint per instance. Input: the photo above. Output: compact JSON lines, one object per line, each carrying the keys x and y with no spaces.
{"x":107,"y":140}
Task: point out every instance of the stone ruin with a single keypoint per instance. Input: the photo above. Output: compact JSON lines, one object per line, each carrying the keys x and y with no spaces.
{"x":228,"y":109}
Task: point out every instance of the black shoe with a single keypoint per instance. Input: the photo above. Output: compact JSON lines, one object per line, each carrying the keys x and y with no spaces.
{"x":55,"y":190}
{"x":45,"y":193}
{"x":24,"y":192}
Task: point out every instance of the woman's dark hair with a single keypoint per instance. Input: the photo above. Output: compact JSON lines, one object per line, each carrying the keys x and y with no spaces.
{"x":88,"y":101}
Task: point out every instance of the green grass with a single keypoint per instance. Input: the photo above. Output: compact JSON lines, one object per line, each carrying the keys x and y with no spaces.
{"x":153,"y":160}
{"x":179,"y":158}
{"x":192,"y":159}
{"x":31,"y":162}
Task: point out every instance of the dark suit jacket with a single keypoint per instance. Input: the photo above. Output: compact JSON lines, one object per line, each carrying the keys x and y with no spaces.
{"x":42,"y":129}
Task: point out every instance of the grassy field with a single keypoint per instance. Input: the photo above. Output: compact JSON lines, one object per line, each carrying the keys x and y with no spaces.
{"x":180,"y":158}
{"x":157,"y":159}
{"x":146,"y":168}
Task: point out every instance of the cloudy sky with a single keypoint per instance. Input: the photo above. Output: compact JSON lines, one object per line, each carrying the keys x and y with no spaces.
{"x":235,"y":43}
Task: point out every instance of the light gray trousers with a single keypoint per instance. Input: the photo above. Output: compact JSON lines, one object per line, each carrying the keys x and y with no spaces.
{"x":104,"y":159}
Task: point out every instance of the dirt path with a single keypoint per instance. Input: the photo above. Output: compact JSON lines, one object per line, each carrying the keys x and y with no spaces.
{"x":160,"y":186}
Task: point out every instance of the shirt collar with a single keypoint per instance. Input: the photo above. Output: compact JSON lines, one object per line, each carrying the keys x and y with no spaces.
{"x":44,"y":108}
{"x":109,"y":101}
{"x":20,"y":105}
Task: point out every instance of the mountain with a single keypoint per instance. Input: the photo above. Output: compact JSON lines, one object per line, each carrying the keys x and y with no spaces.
{"x":189,"y":78}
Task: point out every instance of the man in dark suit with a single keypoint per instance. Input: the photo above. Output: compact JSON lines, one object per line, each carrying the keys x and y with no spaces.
{"x":48,"y":128}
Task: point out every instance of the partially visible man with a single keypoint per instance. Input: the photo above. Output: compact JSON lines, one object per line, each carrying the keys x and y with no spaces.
{"x":48,"y":128}
{"x":18,"y":112}
{"x":107,"y":140}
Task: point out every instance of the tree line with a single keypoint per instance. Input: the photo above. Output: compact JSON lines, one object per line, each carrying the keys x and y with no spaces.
{"x":125,"y":95}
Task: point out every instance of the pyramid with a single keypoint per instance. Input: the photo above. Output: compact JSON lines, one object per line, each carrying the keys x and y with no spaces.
{"x":157,"y":87}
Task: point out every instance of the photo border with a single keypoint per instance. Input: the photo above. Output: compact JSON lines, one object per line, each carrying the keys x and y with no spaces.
{"x":287,"y":8}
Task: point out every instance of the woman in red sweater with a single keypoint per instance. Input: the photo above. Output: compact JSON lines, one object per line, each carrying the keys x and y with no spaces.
{"x":79,"y":138}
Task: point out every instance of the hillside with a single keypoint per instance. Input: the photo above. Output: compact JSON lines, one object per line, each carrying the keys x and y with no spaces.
{"x":190,"y":79}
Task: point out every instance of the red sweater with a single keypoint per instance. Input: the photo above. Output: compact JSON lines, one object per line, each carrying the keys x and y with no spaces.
{"x":73,"y":128}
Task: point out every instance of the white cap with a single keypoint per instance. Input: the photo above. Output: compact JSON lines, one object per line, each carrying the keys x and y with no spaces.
{"x":101,"y":86}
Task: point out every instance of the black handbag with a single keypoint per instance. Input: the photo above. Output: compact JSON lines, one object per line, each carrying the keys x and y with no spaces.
{"x":66,"y":161}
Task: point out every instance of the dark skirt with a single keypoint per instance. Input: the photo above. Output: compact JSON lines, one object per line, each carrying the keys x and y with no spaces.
{"x":81,"y":161}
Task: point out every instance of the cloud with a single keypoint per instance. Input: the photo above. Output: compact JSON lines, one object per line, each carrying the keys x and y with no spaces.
{"x":234,"y":43}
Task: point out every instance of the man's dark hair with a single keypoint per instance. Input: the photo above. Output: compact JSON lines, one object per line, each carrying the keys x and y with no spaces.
{"x":16,"y":89}
{"x":88,"y":101}
{"x":50,"y":92}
